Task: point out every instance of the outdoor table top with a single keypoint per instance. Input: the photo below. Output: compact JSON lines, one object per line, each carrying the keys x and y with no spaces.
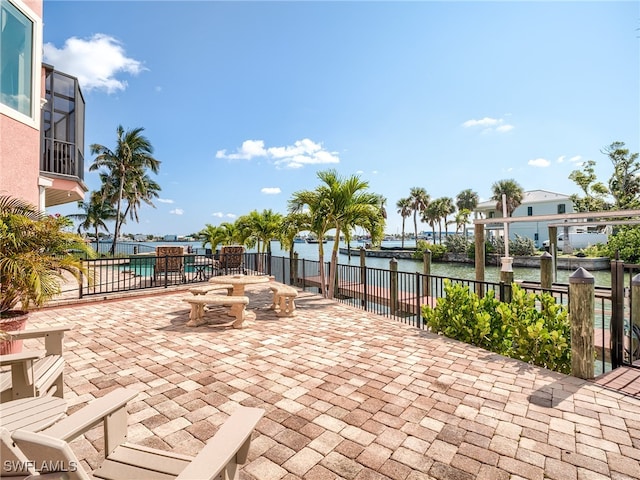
{"x":32,"y":414}
{"x":239,"y":279}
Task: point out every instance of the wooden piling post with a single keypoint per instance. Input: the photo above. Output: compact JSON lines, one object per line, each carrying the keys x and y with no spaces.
{"x":553,"y":249}
{"x":393,"y":286}
{"x":546,"y":270}
{"x":363,"y":258}
{"x":581,"y":315}
{"x":426,"y":286}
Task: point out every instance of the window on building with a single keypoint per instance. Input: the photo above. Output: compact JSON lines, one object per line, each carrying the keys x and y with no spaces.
{"x":529,"y":211}
{"x":561,"y":208}
{"x":492,"y":214}
{"x":16,"y":50}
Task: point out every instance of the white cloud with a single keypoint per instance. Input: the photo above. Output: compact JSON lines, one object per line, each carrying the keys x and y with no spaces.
{"x":539,"y":162}
{"x":488,"y":125}
{"x":271,"y":190}
{"x":165,"y":200}
{"x":302,"y":152}
{"x":95,"y":61}
{"x":561,"y":158}
{"x":223,"y":215}
{"x":177,"y":211}
{"x":576,"y":159}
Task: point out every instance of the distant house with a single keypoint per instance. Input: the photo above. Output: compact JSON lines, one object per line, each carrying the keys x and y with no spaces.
{"x":170,"y":238}
{"x":534,"y":203}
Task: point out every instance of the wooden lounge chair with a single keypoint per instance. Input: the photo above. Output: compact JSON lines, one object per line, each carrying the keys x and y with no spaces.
{"x":34,"y":372}
{"x":219,"y":458}
{"x":14,"y":462}
{"x":231,"y":259}
{"x":169,"y":264}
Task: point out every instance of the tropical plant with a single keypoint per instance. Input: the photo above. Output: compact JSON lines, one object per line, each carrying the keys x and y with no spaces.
{"x":461,"y":220}
{"x":96,"y":213}
{"x":467,"y":199}
{"x":625,"y":244}
{"x":457,"y":244}
{"x":531,"y":327}
{"x":224,"y":234}
{"x":513,"y":193}
{"x":430,"y":216}
{"x":36,"y":248}
{"x":404,"y":209}
{"x":126,"y":177}
{"x":260,"y":228}
{"x":343,"y":205}
{"x":595,"y":192}
{"x":624,"y":184}
{"x":443,"y":207}
{"x":419,"y":199}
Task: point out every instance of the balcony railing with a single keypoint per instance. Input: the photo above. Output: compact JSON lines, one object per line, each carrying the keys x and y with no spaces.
{"x":62,"y":158}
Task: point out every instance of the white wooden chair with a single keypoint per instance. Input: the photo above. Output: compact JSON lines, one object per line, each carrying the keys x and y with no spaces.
{"x":219,"y":458}
{"x":33,"y":373}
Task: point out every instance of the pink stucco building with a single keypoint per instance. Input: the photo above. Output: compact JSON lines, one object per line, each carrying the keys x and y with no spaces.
{"x":41,"y":115}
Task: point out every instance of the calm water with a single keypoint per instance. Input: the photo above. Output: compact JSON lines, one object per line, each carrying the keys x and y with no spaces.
{"x":452,"y":270}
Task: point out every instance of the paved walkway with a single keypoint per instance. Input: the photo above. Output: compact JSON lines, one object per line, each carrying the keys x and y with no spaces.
{"x":348,"y":395}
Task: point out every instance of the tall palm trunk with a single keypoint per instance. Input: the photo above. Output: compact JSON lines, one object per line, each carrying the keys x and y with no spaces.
{"x":116,"y":232}
{"x":323,"y":278}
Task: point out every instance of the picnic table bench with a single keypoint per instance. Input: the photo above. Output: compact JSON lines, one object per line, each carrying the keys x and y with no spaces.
{"x":199,"y":302}
{"x":283,"y":299}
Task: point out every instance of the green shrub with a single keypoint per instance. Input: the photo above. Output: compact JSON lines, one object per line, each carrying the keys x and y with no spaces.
{"x":457,"y":243}
{"x":521,"y":246}
{"x":532,"y":327}
{"x":517,"y":246}
{"x":626,"y":243}
{"x":437,"y":250}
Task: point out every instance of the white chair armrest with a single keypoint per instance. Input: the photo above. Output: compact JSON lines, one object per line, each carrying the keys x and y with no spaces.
{"x":38,"y":332}
{"x":227,"y":448}
{"x":13,"y":358}
{"x":97,"y":411}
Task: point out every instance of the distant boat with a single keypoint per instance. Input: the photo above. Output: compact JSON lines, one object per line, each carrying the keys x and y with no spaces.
{"x":299,"y":239}
{"x":313,"y":239}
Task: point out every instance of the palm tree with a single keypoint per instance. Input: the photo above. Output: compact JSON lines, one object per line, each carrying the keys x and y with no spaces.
{"x":462,"y":218}
{"x":419,"y":199}
{"x":125,"y":166}
{"x":513,"y":192}
{"x":343,"y":205}
{"x":261,"y":228}
{"x":96,"y":212}
{"x":467,"y":199}
{"x":313,"y":204}
{"x":404,"y":209}
{"x":445,"y":208}
{"x":430,"y":215}
{"x":212,"y":235}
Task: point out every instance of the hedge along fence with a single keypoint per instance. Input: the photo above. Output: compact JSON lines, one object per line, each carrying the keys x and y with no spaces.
{"x":532,"y":327}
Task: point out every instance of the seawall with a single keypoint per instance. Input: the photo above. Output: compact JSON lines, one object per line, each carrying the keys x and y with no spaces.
{"x":533,"y":261}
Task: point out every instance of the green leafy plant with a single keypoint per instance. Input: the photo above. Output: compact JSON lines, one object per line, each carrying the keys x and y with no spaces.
{"x":457,"y":244}
{"x":532,"y":327}
{"x":625,"y":243}
{"x":437,"y":250}
{"x":35,"y":251}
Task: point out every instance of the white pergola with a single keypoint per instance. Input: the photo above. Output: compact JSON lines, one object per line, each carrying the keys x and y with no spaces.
{"x":617,"y":217}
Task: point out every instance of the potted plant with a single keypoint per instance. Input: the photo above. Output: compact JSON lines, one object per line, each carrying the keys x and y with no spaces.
{"x":35,"y":250}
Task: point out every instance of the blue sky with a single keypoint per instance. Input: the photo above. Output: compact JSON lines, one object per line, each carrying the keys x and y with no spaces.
{"x":244,"y":102}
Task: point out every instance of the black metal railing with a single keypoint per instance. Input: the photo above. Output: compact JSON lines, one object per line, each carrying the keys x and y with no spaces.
{"x":62,"y":158}
{"x":398,"y":295}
